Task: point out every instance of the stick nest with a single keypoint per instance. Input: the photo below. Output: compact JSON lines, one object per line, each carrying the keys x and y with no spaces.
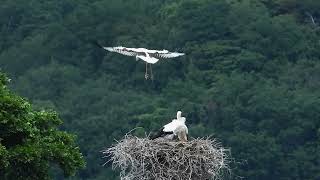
{"x":160,"y":159}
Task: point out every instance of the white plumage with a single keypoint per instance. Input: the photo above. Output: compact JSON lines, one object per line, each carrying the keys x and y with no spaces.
{"x":176,"y":127}
{"x":180,"y":121}
{"x":147,"y":55}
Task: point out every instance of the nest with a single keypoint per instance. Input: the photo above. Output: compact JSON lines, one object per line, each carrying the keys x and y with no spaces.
{"x":160,"y":159}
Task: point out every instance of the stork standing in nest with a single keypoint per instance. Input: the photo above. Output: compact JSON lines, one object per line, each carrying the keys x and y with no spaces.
{"x":176,"y":128}
{"x":147,"y":55}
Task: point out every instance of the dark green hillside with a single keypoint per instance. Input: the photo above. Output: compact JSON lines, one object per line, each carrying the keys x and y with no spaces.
{"x":251,"y":74}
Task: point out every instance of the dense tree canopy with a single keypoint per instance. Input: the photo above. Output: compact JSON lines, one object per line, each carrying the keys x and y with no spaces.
{"x":30,"y":142}
{"x":250,"y":76}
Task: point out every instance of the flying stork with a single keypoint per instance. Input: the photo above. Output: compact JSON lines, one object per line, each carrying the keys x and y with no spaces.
{"x":147,"y":55}
{"x":176,"y":128}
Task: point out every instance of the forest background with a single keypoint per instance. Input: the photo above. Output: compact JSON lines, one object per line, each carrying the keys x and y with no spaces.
{"x":250,"y":77}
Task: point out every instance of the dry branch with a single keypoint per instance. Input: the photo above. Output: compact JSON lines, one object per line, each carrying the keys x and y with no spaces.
{"x":142,"y":158}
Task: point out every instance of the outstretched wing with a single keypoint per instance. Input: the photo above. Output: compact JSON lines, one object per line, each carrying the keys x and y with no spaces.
{"x":166,"y":55}
{"x":121,"y":50}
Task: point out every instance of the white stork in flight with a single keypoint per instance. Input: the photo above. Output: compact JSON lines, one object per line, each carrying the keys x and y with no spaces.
{"x":176,"y":128}
{"x":147,"y":55}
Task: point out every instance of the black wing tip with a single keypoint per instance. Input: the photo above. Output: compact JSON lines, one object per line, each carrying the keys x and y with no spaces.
{"x":157,"y":134}
{"x":96,"y":43}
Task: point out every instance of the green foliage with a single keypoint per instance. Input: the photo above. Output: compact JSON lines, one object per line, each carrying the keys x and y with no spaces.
{"x":30,"y":140}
